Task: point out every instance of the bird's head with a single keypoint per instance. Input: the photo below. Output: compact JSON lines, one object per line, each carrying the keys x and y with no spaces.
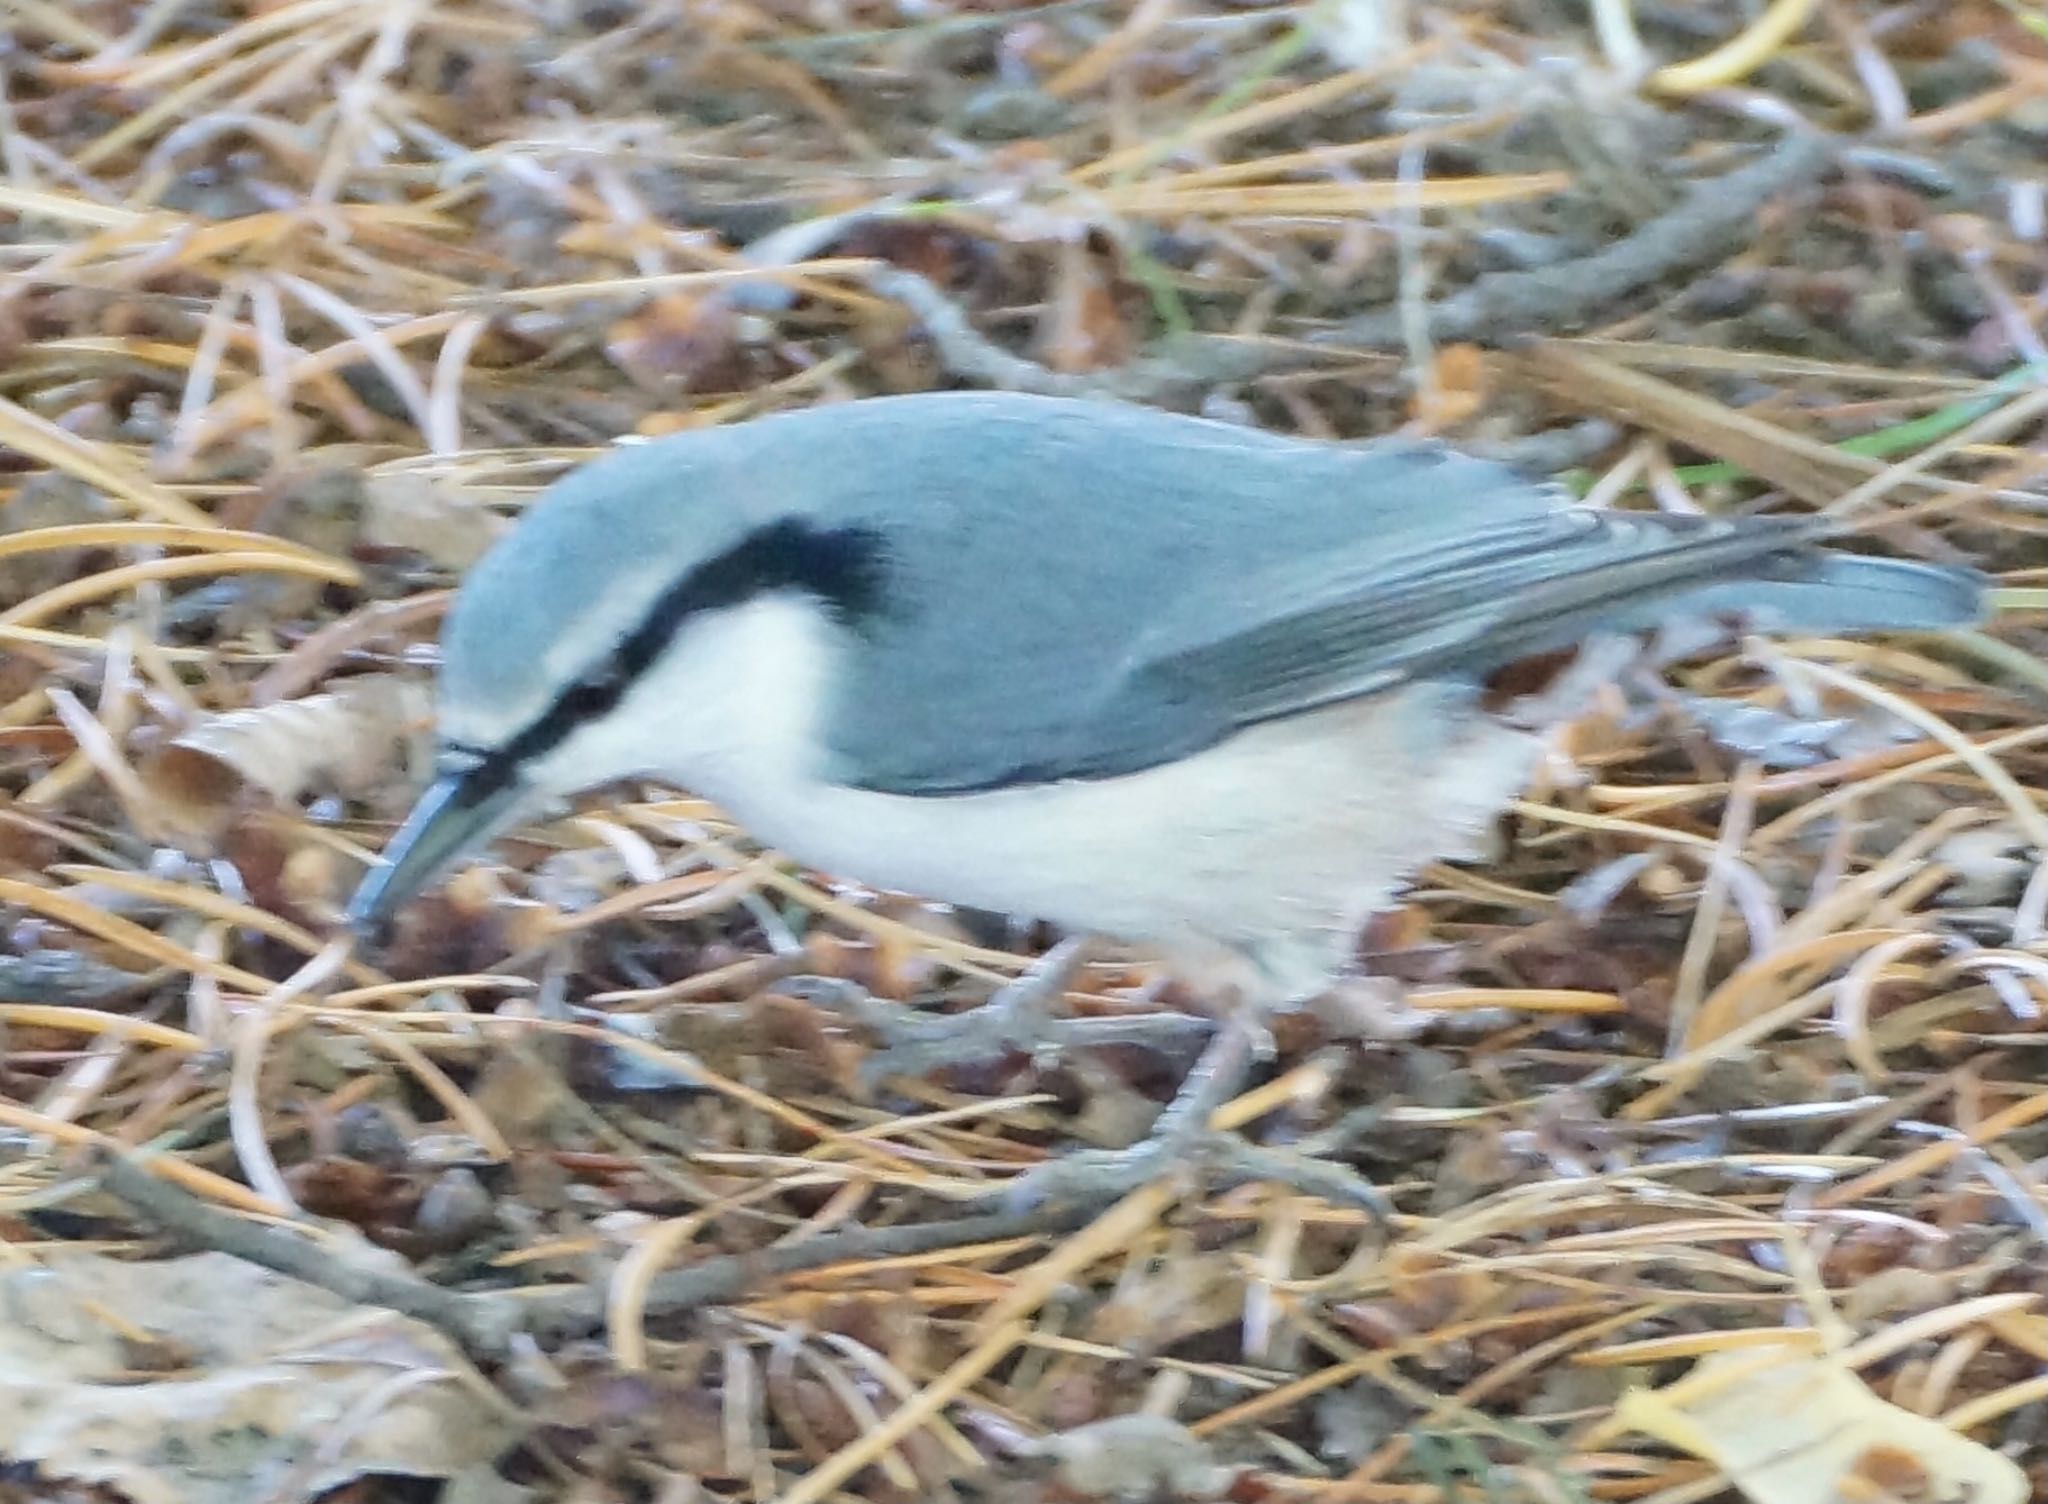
{"x":615,"y":633}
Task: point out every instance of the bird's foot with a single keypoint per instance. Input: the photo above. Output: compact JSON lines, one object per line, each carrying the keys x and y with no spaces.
{"x":1182,"y":1142}
{"x":1210,"y":1157}
{"x":1017,"y":1020}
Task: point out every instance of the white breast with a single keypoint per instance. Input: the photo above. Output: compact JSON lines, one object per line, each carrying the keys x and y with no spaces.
{"x":1276,"y":843}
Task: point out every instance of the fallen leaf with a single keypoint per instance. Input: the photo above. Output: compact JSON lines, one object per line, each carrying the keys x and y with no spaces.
{"x":1790,"y":1426}
{"x":1132,"y":1457}
{"x":290,"y":1391}
{"x":427,"y":515}
{"x":680,"y":344}
{"x":1779,"y":740}
{"x":348,"y":740}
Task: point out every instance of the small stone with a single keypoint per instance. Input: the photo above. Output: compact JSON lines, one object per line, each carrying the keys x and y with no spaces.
{"x":368,"y":1133}
{"x":455,"y":1206}
{"x":1011,"y":112}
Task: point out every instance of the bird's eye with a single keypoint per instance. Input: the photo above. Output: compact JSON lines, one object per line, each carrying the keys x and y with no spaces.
{"x":601,"y":685}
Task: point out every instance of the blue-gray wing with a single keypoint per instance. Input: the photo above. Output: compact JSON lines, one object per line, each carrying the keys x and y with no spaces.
{"x":1461,"y":606}
{"x":1464,"y":607}
{"x":1093,"y":611}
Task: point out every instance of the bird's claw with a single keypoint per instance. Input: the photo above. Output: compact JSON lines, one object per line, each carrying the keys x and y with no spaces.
{"x":1018,"y":1019}
{"x":1210,"y":1156}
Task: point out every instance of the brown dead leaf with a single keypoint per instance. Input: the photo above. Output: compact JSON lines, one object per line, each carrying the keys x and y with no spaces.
{"x":463,"y":926}
{"x":680,"y":344}
{"x":932,"y":249}
{"x":604,"y":1412}
{"x":349,"y":740}
{"x":280,"y":1381}
{"x":319,"y":507}
{"x":524,"y":1094}
{"x":427,"y":515}
{"x":351,"y":1191}
{"x":809,"y":1410}
{"x":1454,"y":389}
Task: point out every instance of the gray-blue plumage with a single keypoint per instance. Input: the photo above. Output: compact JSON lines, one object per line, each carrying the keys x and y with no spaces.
{"x":1206,"y":690}
{"x":1037,"y":590}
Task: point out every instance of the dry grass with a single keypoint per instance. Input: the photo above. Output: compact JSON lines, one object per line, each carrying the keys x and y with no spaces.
{"x":1741,"y":1031}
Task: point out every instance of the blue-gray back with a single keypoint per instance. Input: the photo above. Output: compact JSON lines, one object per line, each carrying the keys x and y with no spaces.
{"x":1070,"y":589}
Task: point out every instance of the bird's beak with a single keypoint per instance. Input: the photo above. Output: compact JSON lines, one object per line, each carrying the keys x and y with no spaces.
{"x":458,"y":813}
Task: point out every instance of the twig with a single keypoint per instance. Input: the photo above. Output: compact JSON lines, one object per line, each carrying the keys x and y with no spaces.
{"x":65,"y":977}
{"x":1214,"y":1158}
{"x":1017,"y":1019}
{"x":484,"y":1323}
{"x":916,"y":1045}
{"x":567,"y":1312}
{"x":1713,"y":222}
{"x":129,"y":1179}
{"x":1231,"y":1161}
{"x":969,"y":353}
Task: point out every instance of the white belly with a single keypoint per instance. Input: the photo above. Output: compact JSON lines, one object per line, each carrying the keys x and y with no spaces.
{"x":1303,"y":822}
{"x":1275,"y":844}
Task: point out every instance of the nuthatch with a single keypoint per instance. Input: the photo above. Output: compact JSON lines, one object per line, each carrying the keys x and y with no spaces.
{"x":1204,"y":688}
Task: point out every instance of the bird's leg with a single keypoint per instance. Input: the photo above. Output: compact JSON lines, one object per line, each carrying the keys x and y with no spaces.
{"x":1093,"y":1174}
{"x":1017,"y":1020}
{"x":1183,"y":1139}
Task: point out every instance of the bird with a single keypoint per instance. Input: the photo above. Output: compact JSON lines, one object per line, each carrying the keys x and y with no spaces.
{"x":1194,"y":686}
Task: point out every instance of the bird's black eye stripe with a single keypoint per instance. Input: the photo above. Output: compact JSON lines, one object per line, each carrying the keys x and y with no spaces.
{"x":844,"y":568}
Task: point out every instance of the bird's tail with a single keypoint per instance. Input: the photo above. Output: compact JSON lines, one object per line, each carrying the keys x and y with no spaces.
{"x":1761,"y":576}
{"x":1839,"y":592}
